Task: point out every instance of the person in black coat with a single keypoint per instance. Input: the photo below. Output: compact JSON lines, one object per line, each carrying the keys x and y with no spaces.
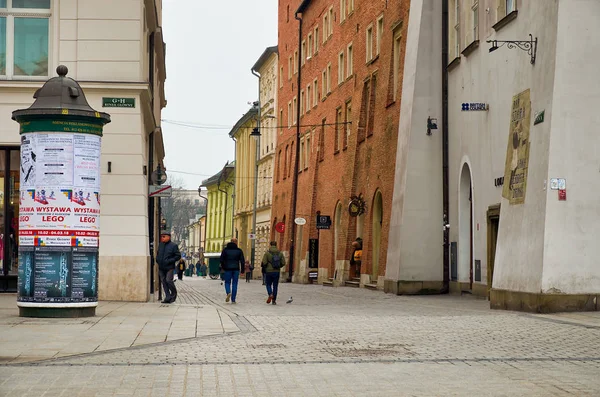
{"x":167,"y":257}
{"x":232,"y":264}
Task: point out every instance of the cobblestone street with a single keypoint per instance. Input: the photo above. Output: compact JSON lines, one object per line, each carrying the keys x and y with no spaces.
{"x":338,"y":341}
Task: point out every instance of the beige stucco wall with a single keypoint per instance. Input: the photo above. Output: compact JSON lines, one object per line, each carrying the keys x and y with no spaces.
{"x":104,"y":48}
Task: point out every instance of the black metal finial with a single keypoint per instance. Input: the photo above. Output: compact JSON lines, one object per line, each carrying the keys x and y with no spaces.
{"x":62,"y":70}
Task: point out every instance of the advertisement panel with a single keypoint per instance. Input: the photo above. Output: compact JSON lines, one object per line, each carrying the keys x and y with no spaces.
{"x":59,"y":217}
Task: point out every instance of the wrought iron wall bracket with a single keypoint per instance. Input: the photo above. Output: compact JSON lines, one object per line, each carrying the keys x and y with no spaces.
{"x":529,"y":46}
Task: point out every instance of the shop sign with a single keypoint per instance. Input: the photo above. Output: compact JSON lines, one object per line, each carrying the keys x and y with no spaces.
{"x":499,"y":181}
{"x":313,"y":253}
{"x":539,"y":117}
{"x":323,"y":222}
{"x":118,"y":102}
{"x":466,"y":106}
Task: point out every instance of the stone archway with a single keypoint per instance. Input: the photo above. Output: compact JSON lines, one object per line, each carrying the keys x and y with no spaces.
{"x":377,"y":219}
{"x":465,"y":229}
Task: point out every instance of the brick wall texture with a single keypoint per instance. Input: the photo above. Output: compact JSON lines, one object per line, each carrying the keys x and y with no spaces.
{"x":340,"y":160}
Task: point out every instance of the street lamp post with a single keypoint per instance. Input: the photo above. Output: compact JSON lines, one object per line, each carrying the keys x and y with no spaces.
{"x":255,"y":134}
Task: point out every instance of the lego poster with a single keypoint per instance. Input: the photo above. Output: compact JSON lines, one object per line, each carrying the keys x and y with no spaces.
{"x":517,"y":153}
{"x":86,"y":209}
{"x":53,"y":208}
{"x":86,"y":162}
{"x":52,"y":274}
{"x":85,"y":276}
{"x":54,"y":160}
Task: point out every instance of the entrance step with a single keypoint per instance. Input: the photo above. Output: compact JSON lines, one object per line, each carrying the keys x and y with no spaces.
{"x":328,"y":283}
{"x":355,"y":284}
{"x":371,"y":286}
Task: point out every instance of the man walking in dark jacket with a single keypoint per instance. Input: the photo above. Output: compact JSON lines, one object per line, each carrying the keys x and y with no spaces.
{"x":167,"y":257}
{"x":232,"y":263}
{"x":272,"y":262}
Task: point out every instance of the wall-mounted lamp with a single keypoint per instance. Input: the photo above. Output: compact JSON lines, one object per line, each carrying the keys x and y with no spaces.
{"x":431,"y":125}
{"x":255,"y":133}
{"x":529,"y":46}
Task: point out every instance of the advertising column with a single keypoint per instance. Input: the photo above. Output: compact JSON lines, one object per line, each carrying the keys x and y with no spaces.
{"x":59,"y":204}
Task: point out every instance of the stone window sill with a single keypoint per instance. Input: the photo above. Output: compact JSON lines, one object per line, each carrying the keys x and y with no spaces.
{"x":505,"y":20}
{"x":454,"y":63}
{"x":470,"y":48}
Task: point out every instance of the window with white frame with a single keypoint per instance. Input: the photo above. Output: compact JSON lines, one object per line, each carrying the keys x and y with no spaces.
{"x":328,"y":78}
{"x":330,"y":30}
{"x":309,"y":46}
{"x":301,"y":164}
{"x":301,"y":102}
{"x":281,"y":77}
{"x":348,"y":123}
{"x":369,"y":43}
{"x":290,"y":67}
{"x":510,"y":6}
{"x":324,"y":84}
{"x":475,"y":10}
{"x":339,"y":128}
{"x":303,"y":52}
{"x":308,"y":96}
{"x":316,"y":43}
{"x":350,"y":60}
{"x":315,"y":93}
{"x":290,"y":111}
{"x":307,"y":150}
{"x":295,"y":61}
{"x":325,"y":26}
{"x":396,"y":62}
{"x":350,"y":6}
{"x":24,"y":38}
{"x":342,"y":10}
{"x":341,"y":65}
{"x":294,"y":110}
{"x":379,"y":35}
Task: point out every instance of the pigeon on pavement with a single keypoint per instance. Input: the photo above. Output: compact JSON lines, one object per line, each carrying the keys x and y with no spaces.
{"x":290,"y":300}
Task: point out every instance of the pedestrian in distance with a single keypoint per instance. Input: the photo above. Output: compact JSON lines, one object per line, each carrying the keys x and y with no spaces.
{"x":167,"y":257}
{"x":232,"y":263}
{"x":203,"y":269}
{"x":180,"y":268}
{"x":191,"y":267}
{"x":356,"y":259}
{"x":248,"y":268}
{"x":272,"y":262}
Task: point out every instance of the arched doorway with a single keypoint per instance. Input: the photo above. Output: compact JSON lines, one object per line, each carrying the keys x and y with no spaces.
{"x":377,"y":214}
{"x":465,"y":227}
{"x":337,"y":229}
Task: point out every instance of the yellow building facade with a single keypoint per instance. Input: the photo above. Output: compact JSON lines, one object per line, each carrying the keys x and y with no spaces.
{"x":220,"y":193}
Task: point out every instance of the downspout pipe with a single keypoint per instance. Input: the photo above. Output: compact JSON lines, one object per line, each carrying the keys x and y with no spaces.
{"x":233,"y":194}
{"x":446,"y":190}
{"x":297,"y":162}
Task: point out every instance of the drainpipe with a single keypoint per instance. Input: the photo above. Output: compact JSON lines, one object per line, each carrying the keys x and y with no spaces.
{"x":446,"y":286}
{"x":296,"y":163}
{"x":233,"y":194}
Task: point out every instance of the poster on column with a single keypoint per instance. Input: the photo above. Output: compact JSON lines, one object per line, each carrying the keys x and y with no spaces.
{"x":52,"y":276}
{"x":28,"y":161}
{"x":26,"y":273}
{"x":86,"y":209}
{"x":85,"y":275}
{"x":86,"y":152}
{"x":53,"y":208}
{"x":54,"y":160}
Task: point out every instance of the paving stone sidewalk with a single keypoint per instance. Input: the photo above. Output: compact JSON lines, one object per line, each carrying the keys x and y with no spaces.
{"x":337,"y":342}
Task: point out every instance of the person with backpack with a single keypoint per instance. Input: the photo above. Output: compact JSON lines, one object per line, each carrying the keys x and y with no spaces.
{"x":272,"y":262}
{"x":232,"y":263}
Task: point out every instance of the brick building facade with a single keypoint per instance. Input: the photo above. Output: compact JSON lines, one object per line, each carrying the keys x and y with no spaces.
{"x":350,"y":56}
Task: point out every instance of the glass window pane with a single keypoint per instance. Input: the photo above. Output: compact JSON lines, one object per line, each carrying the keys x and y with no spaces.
{"x":2,"y":45}
{"x":12,"y":213}
{"x":45,"y":4}
{"x":2,"y":3}
{"x":31,"y":46}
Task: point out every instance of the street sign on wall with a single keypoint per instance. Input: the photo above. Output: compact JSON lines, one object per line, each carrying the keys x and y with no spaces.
{"x":159,"y":191}
{"x":118,"y":102}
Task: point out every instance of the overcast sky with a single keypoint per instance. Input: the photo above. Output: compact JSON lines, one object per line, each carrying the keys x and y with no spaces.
{"x":211,"y":46}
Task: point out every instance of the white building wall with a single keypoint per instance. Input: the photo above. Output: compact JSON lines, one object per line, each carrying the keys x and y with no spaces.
{"x":571,"y":248}
{"x":480,"y":138}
